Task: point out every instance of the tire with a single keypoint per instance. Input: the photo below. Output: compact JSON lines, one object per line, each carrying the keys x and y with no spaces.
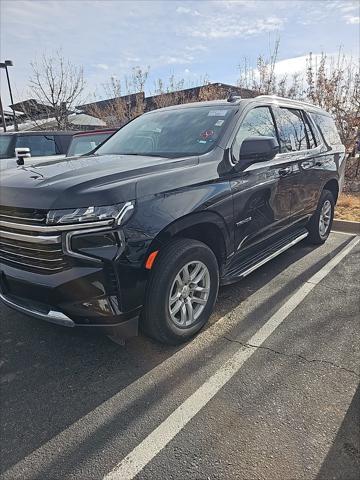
{"x":167,"y":283}
{"x":317,"y":234}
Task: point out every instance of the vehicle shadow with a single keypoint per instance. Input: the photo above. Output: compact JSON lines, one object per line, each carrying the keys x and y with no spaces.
{"x":51,"y":377}
{"x":342,"y":461}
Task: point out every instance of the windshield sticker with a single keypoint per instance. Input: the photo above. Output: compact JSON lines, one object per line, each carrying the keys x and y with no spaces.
{"x":217,"y":113}
{"x":207,"y":134}
{"x":219,"y":123}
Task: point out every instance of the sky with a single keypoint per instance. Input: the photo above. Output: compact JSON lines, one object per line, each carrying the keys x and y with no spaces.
{"x":189,"y":39}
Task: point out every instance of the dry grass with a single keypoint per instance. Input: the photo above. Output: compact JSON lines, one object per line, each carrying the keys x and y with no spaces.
{"x":348,"y":207}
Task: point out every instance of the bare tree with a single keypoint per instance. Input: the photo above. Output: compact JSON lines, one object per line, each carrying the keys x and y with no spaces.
{"x":122,"y":104}
{"x":55,"y":86}
{"x":333,"y":83}
{"x":170,"y":92}
{"x":114,"y":111}
{"x":262,"y":79}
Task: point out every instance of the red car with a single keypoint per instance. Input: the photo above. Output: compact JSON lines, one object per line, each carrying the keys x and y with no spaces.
{"x":85,"y":142}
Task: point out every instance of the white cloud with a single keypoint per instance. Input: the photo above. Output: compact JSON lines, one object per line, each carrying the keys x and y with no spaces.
{"x":352,"y":20}
{"x":102,"y":66}
{"x":217,"y":27}
{"x":187,"y":11}
{"x":183,"y":10}
{"x":196,"y":48}
{"x":349,"y":7}
{"x":291,"y":66}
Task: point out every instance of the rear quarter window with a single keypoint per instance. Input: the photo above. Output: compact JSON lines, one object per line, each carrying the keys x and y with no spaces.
{"x":327,"y":128}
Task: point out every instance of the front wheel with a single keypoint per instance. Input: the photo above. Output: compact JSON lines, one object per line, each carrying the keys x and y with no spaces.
{"x":320,"y":223}
{"x":182,"y":291}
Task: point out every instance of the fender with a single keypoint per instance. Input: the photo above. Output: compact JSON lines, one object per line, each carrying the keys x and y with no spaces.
{"x":195,"y":219}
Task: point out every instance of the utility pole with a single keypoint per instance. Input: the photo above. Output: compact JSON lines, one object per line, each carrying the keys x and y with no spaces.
{"x":2,"y":115}
{"x":6,"y":64}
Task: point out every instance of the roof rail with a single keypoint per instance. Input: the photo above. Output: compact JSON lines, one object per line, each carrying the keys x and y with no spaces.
{"x":300,"y":102}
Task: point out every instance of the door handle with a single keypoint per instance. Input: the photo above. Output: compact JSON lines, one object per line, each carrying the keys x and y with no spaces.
{"x":284,"y":171}
{"x":307,"y":165}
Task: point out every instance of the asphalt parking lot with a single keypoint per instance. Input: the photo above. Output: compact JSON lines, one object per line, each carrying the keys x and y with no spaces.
{"x":284,"y":402}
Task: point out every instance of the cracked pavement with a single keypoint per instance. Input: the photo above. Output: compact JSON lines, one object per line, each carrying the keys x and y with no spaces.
{"x":73,"y":405}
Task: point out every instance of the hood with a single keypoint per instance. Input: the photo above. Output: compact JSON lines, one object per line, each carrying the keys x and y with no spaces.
{"x":81,"y":181}
{"x":11,"y":162}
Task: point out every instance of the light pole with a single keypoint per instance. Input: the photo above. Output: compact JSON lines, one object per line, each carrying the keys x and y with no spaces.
{"x":2,"y":116}
{"x":9,"y":63}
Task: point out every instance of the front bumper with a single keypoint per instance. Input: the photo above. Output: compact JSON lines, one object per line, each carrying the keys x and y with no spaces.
{"x":78,"y":297}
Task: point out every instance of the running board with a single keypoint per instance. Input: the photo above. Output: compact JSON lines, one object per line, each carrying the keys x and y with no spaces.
{"x":246,"y":266}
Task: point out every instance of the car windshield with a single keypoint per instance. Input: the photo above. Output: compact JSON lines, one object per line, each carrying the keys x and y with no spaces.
{"x":170,"y":133}
{"x":82,"y":144}
{"x":5,"y":141}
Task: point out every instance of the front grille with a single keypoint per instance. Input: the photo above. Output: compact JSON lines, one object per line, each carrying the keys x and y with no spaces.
{"x":26,"y":242}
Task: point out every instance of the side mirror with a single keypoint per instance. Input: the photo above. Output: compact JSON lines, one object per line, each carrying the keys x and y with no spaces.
{"x":257,"y":149}
{"x":21,"y":153}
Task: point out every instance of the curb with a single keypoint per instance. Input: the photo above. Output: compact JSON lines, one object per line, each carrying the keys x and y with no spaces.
{"x":346,"y":226}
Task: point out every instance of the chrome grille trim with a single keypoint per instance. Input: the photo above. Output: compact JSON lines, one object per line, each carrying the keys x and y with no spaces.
{"x":34,"y":266}
{"x":26,"y":242}
{"x":42,"y":219}
{"x":45,"y":240}
{"x":54,"y":228}
{"x":12,"y":245}
{"x":28,"y":257}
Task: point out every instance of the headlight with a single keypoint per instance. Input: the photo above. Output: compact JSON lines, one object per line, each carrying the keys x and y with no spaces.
{"x":118,"y":213}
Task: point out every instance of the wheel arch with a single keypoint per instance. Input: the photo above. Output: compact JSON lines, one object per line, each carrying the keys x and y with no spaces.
{"x":207,"y":227}
{"x":333,"y":186}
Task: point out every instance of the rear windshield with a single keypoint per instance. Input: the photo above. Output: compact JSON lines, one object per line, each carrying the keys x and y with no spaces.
{"x":5,"y":144}
{"x":86,"y":143}
{"x":170,"y":133}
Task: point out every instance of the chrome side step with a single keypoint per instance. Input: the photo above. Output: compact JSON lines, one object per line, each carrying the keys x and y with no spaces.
{"x":244,"y":265}
{"x":275,"y":254}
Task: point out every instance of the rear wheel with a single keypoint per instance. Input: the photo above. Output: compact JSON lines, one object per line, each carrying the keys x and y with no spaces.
{"x":319,"y":226}
{"x":182,"y":291}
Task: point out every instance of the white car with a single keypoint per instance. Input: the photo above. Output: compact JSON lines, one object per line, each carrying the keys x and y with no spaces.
{"x":22,"y":148}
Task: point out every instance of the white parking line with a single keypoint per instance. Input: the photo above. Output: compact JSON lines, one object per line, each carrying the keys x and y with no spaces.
{"x":141,"y":455}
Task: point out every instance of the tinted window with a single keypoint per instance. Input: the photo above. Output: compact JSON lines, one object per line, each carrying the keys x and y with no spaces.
{"x":170,"y":133}
{"x":86,"y":143}
{"x":62,"y":142}
{"x":291,"y":130}
{"x":257,"y":123}
{"x":39,"y":145}
{"x":5,"y":146}
{"x":327,"y":128}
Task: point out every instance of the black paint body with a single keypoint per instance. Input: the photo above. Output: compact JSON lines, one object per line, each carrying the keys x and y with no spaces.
{"x":234,"y":211}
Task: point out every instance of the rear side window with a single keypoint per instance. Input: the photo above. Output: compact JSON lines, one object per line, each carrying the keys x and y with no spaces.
{"x":291,"y":128}
{"x":327,"y":128}
{"x":257,"y":123}
{"x":40,"y":145}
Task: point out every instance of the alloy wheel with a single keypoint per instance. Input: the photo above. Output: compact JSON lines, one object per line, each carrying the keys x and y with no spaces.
{"x":189,"y":294}
{"x":325,"y":218}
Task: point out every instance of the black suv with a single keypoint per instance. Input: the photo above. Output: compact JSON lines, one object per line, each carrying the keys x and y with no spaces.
{"x":180,"y":200}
